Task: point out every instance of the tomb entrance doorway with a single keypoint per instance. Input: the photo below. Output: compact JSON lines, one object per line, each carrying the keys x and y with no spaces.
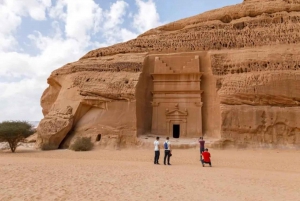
{"x":176,"y":130}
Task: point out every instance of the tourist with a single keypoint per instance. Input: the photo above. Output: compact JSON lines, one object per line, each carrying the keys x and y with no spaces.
{"x":156,"y":151}
{"x":167,"y":146}
{"x":201,"y":142}
{"x":206,"y":158}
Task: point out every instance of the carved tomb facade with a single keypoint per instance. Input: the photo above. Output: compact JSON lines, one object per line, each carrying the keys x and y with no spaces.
{"x":177,"y":96}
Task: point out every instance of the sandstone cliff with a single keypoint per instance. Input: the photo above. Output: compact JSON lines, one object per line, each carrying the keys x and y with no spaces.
{"x":249,"y":59}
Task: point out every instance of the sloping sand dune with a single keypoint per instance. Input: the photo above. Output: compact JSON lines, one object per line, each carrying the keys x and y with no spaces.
{"x":131,"y":175}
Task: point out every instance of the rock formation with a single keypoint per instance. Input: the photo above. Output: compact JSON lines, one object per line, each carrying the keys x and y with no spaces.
{"x":245,"y":91}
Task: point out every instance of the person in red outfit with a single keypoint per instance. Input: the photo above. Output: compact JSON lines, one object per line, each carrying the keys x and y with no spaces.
{"x":206,"y":158}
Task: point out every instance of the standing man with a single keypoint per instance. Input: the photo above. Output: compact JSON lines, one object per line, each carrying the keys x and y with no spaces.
{"x":167,"y":146}
{"x":156,"y":151}
{"x":206,"y":158}
{"x":201,"y":142}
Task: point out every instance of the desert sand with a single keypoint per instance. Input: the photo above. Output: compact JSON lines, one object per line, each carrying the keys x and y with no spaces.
{"x":131,"y":175}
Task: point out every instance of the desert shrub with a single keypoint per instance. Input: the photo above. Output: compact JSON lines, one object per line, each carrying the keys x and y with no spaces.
{"x":82,"y":144}
{"x":14,"y":132}
{"x":47,"y":147}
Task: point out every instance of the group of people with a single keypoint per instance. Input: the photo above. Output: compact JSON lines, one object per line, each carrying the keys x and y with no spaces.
{"x":204,"y":154}
{"x":167,"y":148}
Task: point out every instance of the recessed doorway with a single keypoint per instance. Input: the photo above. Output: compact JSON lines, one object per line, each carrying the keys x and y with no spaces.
{"x":176,"y":131}
{"x":98,"y":138}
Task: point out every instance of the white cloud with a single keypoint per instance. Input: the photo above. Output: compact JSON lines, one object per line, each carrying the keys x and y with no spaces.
{"x":58,"y":11}
{"x":11,"y":13}
{"x":114,"y":19}
{"x":9,"y":22}
{"x":75,"y":25}
{"x":147,"y":16}
{"x":36,"y":9}
{"x":7,"y":42}
{"x":127,"y":35}
{"x":20,"y":100}
{"x":82,"y":17}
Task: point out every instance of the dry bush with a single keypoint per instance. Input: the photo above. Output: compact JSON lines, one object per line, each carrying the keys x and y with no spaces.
{"x":82,"y":144}
{"x":47,"y":147}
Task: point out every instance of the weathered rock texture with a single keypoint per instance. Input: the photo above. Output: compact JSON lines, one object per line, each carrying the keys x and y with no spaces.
{"x":250,"y":72}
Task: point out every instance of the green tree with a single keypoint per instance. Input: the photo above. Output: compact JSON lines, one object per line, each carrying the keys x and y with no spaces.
{"x":14,"y":132}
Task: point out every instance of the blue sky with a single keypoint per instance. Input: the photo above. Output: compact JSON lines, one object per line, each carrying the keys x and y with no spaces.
{"x":39,"y":36}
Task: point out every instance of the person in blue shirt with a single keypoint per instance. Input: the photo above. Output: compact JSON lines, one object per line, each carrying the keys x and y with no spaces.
{"x":167,"y":147}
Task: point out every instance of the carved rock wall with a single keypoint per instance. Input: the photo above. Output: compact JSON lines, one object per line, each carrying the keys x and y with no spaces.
{"x":261,"y":125}
{"x":259,"y":94}
{"x":249,"y":56}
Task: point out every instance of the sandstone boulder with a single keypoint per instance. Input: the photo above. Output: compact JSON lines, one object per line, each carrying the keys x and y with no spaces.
{"x":54,"y":127}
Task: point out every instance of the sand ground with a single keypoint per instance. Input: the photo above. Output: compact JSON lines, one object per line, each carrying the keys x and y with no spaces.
{"x":267,"y":175}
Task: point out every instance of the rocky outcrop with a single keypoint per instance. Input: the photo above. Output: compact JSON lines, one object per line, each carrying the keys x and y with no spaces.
{"x":100,"y":97}
{"x":54,"y":127}
{"x":249,"y":59}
